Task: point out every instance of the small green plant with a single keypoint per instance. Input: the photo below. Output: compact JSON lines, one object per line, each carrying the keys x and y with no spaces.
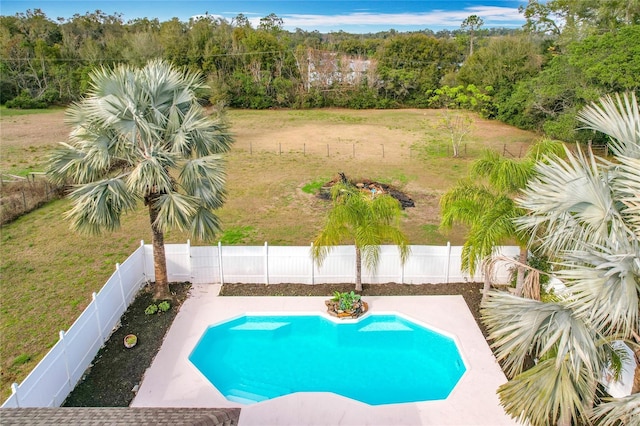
{"x":160,"y":307}
{"x":314,"y":187}
{"x":22,"y":359}
{"x":164,"y":306}
{"x":345,"y":300}
{"x":151,"y":309}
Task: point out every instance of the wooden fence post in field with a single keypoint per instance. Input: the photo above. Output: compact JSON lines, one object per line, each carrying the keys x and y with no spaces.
{"x":383,"y":150}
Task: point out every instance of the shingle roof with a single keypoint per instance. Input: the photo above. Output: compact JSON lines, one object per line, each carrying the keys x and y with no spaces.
{"x":119,"y":416}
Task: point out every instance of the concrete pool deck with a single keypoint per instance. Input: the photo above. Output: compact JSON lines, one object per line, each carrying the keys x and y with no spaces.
{"x":172,"y":381}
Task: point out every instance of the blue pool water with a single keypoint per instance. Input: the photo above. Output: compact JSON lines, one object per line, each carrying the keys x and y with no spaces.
{"x":381,"y":359}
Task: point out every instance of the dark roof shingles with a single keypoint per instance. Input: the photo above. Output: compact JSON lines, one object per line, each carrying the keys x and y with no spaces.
{"x":117,"y":416}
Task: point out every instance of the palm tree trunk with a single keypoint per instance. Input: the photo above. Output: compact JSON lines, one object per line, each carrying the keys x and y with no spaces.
{"x":161,"y":285}
{"x":520,"y":278}
{"x":487,"y":286}
{"x":636,"y":375}
{"x":358,"y":270}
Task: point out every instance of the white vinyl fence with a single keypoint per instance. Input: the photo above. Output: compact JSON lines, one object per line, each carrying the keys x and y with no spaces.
{"x":278,"y":264}
{"x":50,"y":382}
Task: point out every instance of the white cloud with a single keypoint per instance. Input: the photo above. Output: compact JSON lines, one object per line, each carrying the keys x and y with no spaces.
{"x":492,"y":16}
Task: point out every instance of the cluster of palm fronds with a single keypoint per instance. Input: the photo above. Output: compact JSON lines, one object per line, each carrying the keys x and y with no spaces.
{"x":583,"y":211}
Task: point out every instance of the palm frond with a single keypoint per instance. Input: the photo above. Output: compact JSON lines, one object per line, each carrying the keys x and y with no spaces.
{"x":174,"y":211}
{"x":623,"y":411}
{"x":618,"y":118}
{"x":151,"y":174}
{"x":571,"y":201}
{"x":464,"y":203}
{"x":99,"y":205}
{"x":544,"y":149}
{"x":504,"y":174}
{"x":547,"y":393}
{"x":205,"y":225}
{"x":204,"y":178}
{"x":626,"y":187}
{"x":604,"y":287}
{"x":522,"y":327}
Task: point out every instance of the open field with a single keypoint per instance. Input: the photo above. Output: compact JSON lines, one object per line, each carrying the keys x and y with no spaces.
{"x":48,"y":273}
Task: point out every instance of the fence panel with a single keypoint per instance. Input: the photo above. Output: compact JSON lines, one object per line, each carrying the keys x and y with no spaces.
{"x":290,"y":265}
{"x":243,"y":264}
{"x":178,"y":262}
{"x":427,"y":264}
{"x":338,"y":267}
{"x":205,"y":265}
{"x":111,"y":303}
{"x":82,"y":341}
{"x":47,"y":385}
{"x":389,"y":268}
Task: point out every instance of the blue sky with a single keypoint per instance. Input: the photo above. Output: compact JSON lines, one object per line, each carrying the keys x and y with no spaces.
{"x":324,"y":15}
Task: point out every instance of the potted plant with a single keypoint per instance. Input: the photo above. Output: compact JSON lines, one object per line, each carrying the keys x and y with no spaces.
{"x":130,"y":340}
{"x":346,"y":305}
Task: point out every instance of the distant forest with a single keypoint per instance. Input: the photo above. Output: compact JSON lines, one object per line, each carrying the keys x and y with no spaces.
{"x":568,"y":53}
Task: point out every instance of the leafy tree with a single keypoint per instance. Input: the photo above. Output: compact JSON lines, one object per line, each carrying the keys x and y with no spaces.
{"x":364,"y":218}
{"x":140,"y":134}
{"x":485,"y":203}
{"x":472,"y":23}
{"x":584,"y":211}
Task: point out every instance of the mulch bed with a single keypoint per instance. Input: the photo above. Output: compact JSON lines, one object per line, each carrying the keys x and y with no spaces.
{"x":116,"y":370}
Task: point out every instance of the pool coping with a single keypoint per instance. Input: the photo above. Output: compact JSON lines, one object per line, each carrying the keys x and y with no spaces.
{"x":173,"y":381}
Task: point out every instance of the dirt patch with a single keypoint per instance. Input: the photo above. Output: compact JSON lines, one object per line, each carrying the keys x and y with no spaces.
{"x":375,"y":188}
{"x":116,"y":370}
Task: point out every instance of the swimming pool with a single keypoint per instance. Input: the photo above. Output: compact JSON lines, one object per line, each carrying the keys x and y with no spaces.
{"x":379,"y":359}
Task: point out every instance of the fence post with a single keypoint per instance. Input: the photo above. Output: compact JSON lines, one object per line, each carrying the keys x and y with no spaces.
{"x":124,"y":298}
{"x":144,"y":262}
{"x":190,"y":265}
{"x":312,"y":265}
{"x":95,"y":304}
{"x":448,"y":262}
{"x":66,"y":358}
{"x":266,"y":263}
{"x":402,"y":269}
{"x":220,"y":262}
{"x":14,"y":391}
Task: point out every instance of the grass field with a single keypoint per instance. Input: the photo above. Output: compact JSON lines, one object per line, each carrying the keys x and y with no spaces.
{"x":48,"y":273}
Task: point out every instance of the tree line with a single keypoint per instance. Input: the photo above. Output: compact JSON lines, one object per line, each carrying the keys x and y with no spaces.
{"x":569,"y":53}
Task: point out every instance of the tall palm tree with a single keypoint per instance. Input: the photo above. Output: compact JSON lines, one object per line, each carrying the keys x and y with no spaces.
{"x":141,"y":135}
{"x":367,"y":220}
{"x":585,"y":210}
{"x":484,"y":203}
